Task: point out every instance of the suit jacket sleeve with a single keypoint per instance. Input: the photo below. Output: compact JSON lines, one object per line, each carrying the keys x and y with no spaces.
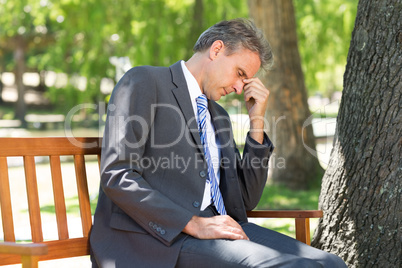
{"x":252,"y":169}
{"x":126,"y":132}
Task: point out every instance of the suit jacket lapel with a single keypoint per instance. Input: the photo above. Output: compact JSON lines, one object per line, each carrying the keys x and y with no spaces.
{"x":183,"y":99}
{"x":229,"y":185}
{"x":223,"y":129}
{"x":222,"y":126}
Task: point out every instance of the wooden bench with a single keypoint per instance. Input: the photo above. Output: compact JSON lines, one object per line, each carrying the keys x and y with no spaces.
{"x":64,"y":247}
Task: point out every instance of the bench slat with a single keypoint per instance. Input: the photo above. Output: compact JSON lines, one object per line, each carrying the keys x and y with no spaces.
{"x":33,"y":199}
{"x":5,"y":202}
{"x":83,"y":195}
{"x":59,"y":200}
{"x":49,"y":146}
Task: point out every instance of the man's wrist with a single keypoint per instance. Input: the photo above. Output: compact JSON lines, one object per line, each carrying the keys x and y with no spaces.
{"x":257,"y":130}
{"x":191,"y":226}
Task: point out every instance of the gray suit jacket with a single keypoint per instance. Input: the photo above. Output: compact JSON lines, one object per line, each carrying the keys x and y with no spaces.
{"x":153,"y":170}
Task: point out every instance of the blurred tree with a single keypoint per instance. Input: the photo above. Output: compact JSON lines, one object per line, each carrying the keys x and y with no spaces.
{"x":86,"y":34}
{"x":24,"y":31}
{"x":1,"y":89}
{"x":287,"y":106}
{"x":77,"y":38}
{"x":362,"y":187}
{"x":324,"y":30}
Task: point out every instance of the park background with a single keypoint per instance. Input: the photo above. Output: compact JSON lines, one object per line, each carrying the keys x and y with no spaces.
{"x":59,"y":61}
{"x":71,"y":52}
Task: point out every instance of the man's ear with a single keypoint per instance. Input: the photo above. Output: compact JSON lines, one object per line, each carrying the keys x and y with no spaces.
{"x":216,"y":49}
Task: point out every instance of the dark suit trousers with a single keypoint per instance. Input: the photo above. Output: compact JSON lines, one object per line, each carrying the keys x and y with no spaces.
{"x":266,"y":248}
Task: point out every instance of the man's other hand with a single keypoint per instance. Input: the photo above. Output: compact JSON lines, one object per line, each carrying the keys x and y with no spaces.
{"x":217,"y":227}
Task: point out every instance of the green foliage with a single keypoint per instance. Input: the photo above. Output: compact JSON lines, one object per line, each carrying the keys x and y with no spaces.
{"x":64,"y":98}
{"x":79,"y":37}
{"x":26,"y":22}
{"x":324,"y":33}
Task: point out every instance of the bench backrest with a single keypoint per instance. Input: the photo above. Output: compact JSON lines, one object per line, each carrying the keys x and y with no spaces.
{"x":77,"y":149}
{"x":53,"y":148}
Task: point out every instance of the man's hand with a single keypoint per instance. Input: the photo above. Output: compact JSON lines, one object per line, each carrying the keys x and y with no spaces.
{"x":256,"y":97}
{"x":217,"y":227}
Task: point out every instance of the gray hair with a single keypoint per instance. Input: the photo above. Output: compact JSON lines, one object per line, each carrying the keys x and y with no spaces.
{"x":237,"y":34}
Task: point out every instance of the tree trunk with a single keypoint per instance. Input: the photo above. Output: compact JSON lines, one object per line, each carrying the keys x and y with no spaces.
{"x":197,"y":26}
{"x":19,"y":57}
{"x":362,"y":187}
{"x":1,"y":89}
{"x":293,"y":165}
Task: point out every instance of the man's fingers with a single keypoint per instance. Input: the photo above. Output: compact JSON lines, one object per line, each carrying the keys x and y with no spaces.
{"x":255,"y":94}
{"x":235,"y":230}
{"x":255,"y":89}
{"x":251,"y":79}
{"x":234,"y":234}
{"x":218,"y":227}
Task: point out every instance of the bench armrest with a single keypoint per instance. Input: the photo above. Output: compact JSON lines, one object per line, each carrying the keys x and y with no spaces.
{"x":302,"y":219}
{"x":285,"y":214}
{"x":29,"y":252}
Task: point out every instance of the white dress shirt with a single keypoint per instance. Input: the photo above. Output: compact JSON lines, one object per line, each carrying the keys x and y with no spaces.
{"x":212,"y":139}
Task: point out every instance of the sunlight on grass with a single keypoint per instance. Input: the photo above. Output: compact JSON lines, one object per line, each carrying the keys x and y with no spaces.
{"x":72,"y":206}
{"x":280,"y":197}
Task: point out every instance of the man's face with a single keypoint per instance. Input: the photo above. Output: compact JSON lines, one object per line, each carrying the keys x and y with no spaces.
{"x":225,"y":74}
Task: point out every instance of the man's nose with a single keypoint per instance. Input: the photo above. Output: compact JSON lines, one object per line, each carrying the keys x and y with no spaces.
{"x":238,"y":86}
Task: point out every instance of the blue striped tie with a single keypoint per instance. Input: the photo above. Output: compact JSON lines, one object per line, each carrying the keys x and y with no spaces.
{"x":202,"y":107}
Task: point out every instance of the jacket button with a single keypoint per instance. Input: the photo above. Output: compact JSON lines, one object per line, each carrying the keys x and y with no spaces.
{"x":163,"y":232}
{"x":196,"y":204}
{"x":203,"y":174}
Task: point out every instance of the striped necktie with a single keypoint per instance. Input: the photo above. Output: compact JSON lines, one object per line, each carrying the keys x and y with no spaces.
{"x":202,"y":107}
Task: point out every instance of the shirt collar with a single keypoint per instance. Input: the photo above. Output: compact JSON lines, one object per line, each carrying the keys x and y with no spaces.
{"x":192,"y":84}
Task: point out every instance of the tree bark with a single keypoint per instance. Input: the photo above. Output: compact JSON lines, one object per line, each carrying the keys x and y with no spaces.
{"x":197,"y":26}
{"x":1,"y":89}
{"x":287,"y":109}
{"x":362,"y":187}
{"x":19,"y":57}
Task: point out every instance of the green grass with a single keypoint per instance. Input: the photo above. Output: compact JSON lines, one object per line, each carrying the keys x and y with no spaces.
{"x":280,"y":197}
{"x":72,"y":206}
{"x":7,"y":111}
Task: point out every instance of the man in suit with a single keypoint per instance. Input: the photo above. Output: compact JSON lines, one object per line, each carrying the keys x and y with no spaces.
{"x":174,"y":189}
